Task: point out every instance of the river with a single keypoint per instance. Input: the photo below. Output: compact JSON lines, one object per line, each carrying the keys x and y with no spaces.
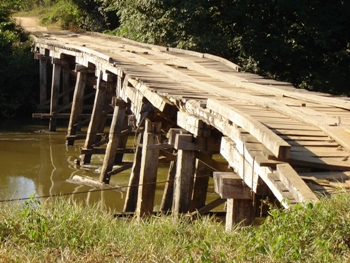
{"x":34,"y":161}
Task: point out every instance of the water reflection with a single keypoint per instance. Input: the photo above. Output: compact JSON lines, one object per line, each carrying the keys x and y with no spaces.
{"x":39,"y":163}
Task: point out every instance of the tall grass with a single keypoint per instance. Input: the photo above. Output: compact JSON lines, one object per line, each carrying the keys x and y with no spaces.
{"x":61,"y":230}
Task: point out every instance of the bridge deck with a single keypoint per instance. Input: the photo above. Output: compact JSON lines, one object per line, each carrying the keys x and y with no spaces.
{"x":291,"y":139}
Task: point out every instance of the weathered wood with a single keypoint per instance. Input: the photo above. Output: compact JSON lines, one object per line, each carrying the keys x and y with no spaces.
{"x":43,"y":78}
{"x":65,"y":86}
{"x":239,"y":211}
{"x":200,"y":185}
{"x":184,"y":176}
{"x":167,"y":199}
{"x":231,"y":185}
{"x":206,"y":208}
{"x":148,"y":173}
{"x":55,"y":87}
{"x":279,"y":147}
{"x":113,"y":142}
{"x":95,"y":118}
{"x":77,"y":103}
{"x":132,"y":191}
{"x":295,"y":184}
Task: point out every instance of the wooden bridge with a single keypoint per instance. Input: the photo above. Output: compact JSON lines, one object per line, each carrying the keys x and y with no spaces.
{"x":256,"y":137}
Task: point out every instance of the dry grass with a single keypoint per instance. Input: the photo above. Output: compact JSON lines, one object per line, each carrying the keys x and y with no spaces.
{"x":62,"y":231}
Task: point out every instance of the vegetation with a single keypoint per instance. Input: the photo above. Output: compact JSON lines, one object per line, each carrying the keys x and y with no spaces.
{"x":302,"y":42}
{"x":63,"y":231}
{"x":18,"y":71}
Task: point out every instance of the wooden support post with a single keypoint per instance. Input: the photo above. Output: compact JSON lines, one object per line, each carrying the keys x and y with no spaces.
{"x":240,"y":207}
{"x":184,"y":174}
{"x":55,"y":87}
{"x":78,"y":102}
{"x":167,"y":199}
{"x":132,"y":191}
{"x":149,"y":167}
{"x":43,"y":79}
{"x":113,"y":142}
{"x":95,"y":117}
{"x":65,"y":86}
{"x":200,"y":187}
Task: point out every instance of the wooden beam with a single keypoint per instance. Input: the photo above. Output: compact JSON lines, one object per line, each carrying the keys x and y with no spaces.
{"x":231,"y":185}
{"x":295,"y":184}
{"x":279,"y":147}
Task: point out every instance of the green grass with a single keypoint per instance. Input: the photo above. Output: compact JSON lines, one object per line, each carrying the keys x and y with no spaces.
{"x":60,"y":230}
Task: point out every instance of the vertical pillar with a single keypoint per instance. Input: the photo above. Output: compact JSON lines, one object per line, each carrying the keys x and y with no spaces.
{"x":184,"y":174}
{"x":43,"y":79}
{"x":95,"y":117}
{"x":200,"y":188}
{"x":239,"y":211}
{"x":132,"y":191}
{"x":55,"y":87}
{"x":149,"y":167}
{"x":167,"y":199}
{"x":113,"y":142}
{"x":65,"y":86}
{"x":240,"y":207}
{"x":78,"y":102}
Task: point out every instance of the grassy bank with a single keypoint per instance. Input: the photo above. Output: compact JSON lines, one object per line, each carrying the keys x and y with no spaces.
{"x":62,"y":231}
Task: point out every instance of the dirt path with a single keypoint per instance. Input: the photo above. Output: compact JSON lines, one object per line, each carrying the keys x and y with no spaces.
{"x":30,"y":24}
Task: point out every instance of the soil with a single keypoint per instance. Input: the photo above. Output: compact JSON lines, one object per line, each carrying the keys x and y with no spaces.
{"x":30,"y":24}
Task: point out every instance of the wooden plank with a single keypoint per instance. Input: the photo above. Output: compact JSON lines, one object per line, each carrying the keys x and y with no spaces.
{"x":279,"y":147}
{"x":295,"y":184}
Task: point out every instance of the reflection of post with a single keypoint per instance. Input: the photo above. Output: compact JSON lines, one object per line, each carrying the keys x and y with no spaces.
{"x":78,"y":102}
{"x":114,"y":136}
{"x":55,"y":87}
{"x":45,"y":168}
{"x":149,"y":166}
{"x":95,"y":117}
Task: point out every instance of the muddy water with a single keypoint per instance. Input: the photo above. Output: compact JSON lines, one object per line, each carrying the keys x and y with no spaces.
{"x":35,"y":161}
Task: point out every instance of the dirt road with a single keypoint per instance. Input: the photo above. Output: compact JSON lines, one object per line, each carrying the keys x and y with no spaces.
{"x":30,"y":24}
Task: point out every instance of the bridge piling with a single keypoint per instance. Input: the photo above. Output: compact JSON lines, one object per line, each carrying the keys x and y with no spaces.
{"x":149,"y":167}
{"x":95,"y":120}
{"x":132,"y":191}
{"x":55,"y":87}
{"x":114,"y":139}
{"x":77,"y":103}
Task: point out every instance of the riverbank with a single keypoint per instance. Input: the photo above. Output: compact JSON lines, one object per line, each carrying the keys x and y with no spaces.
{"x":59,"y":230}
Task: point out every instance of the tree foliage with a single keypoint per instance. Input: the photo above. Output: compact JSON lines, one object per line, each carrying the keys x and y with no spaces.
{"x":18,"y":71}
{"x":303,"y":42}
